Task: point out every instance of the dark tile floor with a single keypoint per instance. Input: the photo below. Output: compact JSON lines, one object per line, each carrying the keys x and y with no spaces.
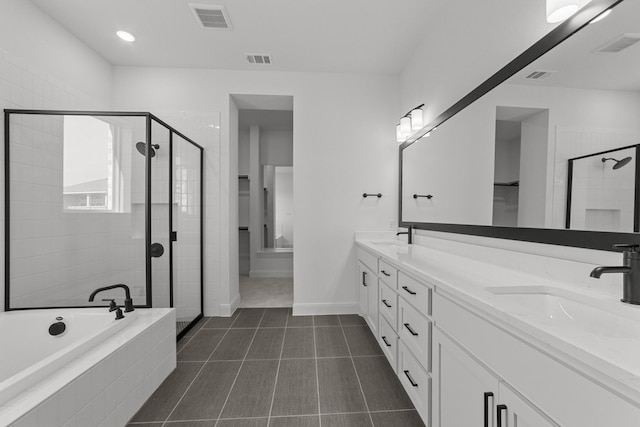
{"x":266,"y":368}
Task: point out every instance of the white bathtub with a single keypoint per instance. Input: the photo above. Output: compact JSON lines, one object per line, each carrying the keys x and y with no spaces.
{"x":99,"y":371}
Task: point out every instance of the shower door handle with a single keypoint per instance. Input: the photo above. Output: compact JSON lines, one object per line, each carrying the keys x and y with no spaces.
{"x":156,"y":250}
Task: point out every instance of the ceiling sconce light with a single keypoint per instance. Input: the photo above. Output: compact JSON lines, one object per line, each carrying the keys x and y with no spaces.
{"x":126,"y":36}
{"x":559,"y":10}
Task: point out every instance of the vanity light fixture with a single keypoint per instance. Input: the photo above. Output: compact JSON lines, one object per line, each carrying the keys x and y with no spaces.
{"x":409,"y":123}
{"x":416,"y":119}
{"x":126,"y":36}
{"x":559,"y":10}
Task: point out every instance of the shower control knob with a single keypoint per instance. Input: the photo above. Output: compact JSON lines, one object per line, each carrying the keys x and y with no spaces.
{"x":157,"y":250}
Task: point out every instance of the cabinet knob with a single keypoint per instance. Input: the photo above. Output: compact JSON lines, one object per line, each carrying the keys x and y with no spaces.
{"x":384,"y":301}
{"x":385,"y":341}
{"x":364,"y":278}
{"x":385,"y":273}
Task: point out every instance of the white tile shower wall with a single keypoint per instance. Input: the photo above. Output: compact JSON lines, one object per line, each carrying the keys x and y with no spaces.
{"x":25,"y":87}
{"x":110,"y":392}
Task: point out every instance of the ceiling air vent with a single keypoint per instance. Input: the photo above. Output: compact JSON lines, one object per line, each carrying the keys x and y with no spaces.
{"x":210,"y":16}
{"x":258,"y":58}
{"x":539,"y":74}
{"x":619,"y":44}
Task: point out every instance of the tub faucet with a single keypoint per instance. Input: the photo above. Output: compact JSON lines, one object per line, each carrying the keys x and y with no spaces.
{"x":128,"y":302}
{"x":630,"y":271}
{"x":409,"y":234}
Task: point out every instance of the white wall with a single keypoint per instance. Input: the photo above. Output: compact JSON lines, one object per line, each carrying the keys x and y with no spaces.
{"x":468,"y":43}
{"x":43,"y":66}
{"x":344,"y":138}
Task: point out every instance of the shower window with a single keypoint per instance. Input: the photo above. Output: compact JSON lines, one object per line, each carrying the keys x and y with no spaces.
{"x":94,"y":153}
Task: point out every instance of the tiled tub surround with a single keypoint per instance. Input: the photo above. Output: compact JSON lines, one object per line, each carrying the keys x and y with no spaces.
{"x":606,"y":365}
{"x":103,"y":385}
{"x":265,"y":367}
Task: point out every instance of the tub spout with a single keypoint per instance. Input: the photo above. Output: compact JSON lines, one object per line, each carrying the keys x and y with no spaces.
{"x":128,"y":302}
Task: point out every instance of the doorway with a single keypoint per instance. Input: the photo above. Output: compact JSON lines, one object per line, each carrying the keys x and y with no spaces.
{"x":265,"y":200}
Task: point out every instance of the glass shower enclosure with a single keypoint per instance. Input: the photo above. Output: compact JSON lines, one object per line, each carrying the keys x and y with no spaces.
{"x":100,"y":198}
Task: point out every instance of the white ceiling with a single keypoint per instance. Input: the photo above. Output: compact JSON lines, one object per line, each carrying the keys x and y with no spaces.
{"x":362,"y":36}
{"x":576,"y":65}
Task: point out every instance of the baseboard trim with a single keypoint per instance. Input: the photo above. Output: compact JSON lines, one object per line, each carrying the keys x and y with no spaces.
{"x":268,"y":274}
{"x":326,"y":308}
{"x":226,"y":310}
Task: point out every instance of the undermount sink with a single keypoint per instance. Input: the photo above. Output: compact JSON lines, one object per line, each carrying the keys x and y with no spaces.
{"x":565,"y":309}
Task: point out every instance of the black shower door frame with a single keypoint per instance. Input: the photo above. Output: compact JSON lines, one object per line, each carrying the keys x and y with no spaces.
{"x":150,"y":118}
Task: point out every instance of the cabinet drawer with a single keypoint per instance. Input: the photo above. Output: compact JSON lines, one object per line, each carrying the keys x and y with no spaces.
{"x":416,"y":293}
{"x":389,"y":305}
{"x":388,"y":340}
{"x":371,"y":261}
{"x":415,"y":331}
{"x":415,"y":381}
{"x":388,"y":274}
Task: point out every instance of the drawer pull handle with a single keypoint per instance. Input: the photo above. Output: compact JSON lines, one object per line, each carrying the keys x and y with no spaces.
{"x":414,"y":333}
{"x":500,"y":408}
{"x":385,"y":341}
{"x":487,"y":395}
{"x":364,"y":278}
{"x":384,"y":301}
{"x":413,"y":383}
{"x":408,"y":290}
{"x":385,"y":273}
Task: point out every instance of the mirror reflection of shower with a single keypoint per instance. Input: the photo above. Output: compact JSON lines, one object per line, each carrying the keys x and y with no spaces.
{"x":618,"y":163}
{"x":142,"y":148}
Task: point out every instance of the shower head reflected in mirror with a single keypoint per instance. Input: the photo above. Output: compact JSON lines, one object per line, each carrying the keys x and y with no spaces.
{"x":142,"y":148}
{"x":618,"y":163}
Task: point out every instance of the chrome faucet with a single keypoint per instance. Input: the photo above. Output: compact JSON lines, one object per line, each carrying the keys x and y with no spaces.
{"x":128,"y":302}
{"x":409,"y":234}
{"x":630,"y":270}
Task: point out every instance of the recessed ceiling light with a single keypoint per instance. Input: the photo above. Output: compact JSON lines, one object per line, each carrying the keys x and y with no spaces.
{"x":126,"y":36}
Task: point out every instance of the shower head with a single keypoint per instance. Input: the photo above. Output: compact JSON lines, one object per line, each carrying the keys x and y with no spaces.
{"x":619,"y":163}
{"x":142,"y":148}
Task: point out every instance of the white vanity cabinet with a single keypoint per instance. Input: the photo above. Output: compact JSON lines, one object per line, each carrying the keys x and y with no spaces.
{"x":402,"y":307}
{"x":473,"y":355}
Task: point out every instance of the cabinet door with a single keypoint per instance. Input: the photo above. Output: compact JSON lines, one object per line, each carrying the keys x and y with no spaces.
{"x":372,"y":289}
{"x":514,"y":411}
{"x":363,"y":272}
{"x":464,"y":392}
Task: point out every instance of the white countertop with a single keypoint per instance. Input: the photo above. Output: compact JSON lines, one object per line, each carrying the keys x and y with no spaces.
{"x":612,"y":361}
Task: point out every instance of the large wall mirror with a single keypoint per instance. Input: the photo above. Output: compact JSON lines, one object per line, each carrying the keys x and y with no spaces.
{"x":547,"y":155}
